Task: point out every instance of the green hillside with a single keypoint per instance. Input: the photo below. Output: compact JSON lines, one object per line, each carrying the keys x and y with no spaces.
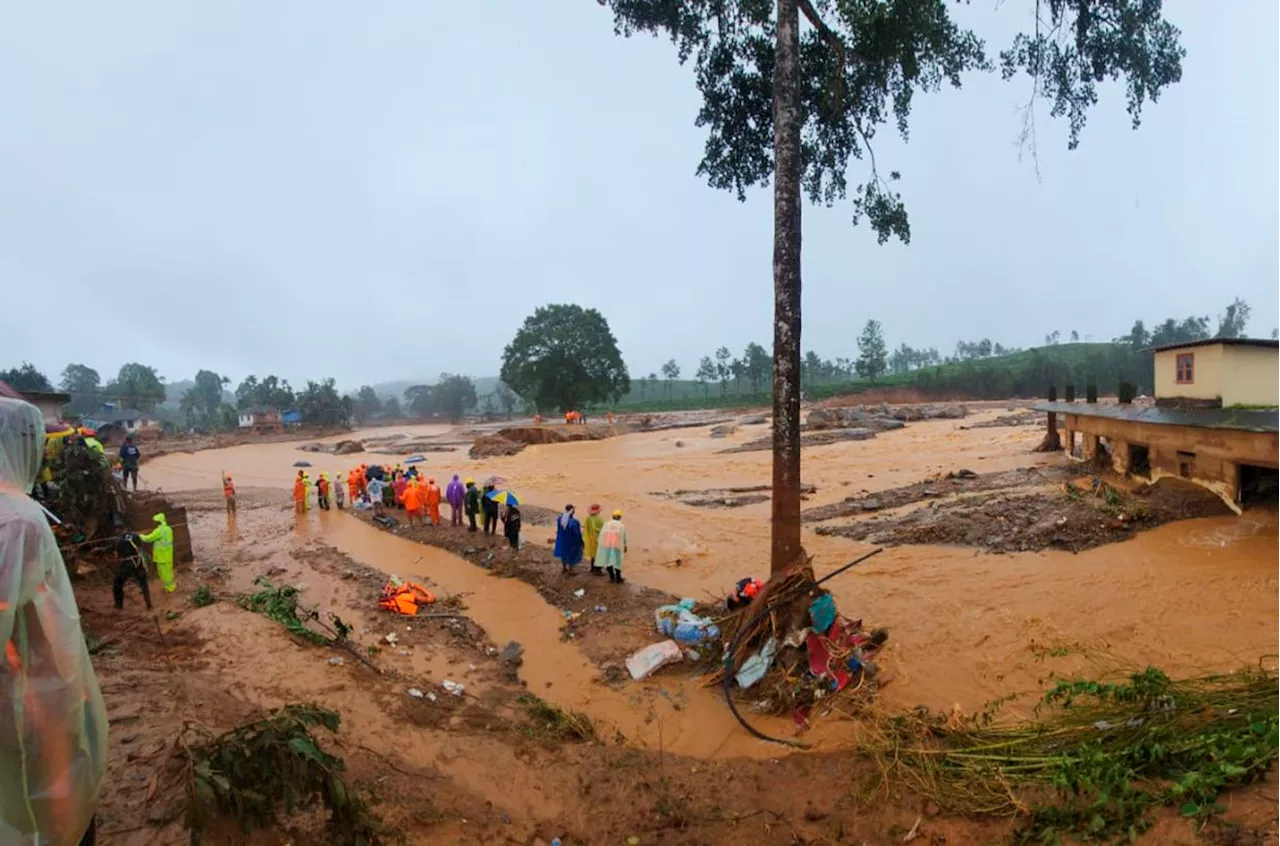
{"x":1027,"y":373}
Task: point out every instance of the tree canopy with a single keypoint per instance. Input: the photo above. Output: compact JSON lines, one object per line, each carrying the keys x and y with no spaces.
{"x":794,"y":107}
{"x":80,"y":379}
{"x":137,"y":386}
{"x":26,"y":378}
{"x":269,"y":392}
{"x":872,"y":359}
{"x":208,"y":388}
{"x":564,"y":356}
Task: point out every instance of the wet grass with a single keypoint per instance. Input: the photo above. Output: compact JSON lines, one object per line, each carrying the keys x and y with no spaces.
{"x":546,"y":721}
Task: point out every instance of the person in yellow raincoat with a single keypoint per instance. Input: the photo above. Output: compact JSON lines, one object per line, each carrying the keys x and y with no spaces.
{"x":53,"y":725}
{"x":161,"y":540}
{"x":591,"y":537}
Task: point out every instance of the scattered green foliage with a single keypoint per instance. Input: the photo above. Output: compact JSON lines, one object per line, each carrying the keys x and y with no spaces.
{"x":281,"y":604}
{"x":172,"y":615}
{"x":551,"y":722}
{"x":254,"y":769}
{"x":1110,"y":752}
{"x":203,"y":597}
{"x":564,"y":356}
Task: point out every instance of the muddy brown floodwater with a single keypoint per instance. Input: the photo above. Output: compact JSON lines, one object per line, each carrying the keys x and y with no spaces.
{"x":967,"y":626}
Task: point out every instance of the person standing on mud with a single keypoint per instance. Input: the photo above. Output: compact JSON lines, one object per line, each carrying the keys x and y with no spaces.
{"x":511,"y":526}
{"x":161,"y":540}
{"x":471,"y":499}
{"x":299,"y":494}
{"x":413,"y":500}
{"x":132,"y":566}
{"x":322,"y":491}
{"x":490,"y":511}
{"x":229,"y":493}
{"x":340,"y":491}
{"x":568,"y":546}
{"x":374,"y":489}
{"x":591,"y":537}
{"x":53,"y":732}
{"x":613,"y":544}
{"x":433,"y":501}
{"x":129,"y":458}
{"x":454,"y":494}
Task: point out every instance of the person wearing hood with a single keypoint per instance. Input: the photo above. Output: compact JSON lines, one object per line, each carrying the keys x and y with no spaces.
{"x":53,"y":724}
{"x":455,"y":494}
{"x":306,"y":489}
{"x":322,"y":491}
{"x":432,"y":497}
{"x":161,"y":540}
{"x":568,"y":546}
{"x":613,"y":545}
{"x":591,"y":537}
{"x":299,"y":494}
{"x":340,"y":491}
{"x":471,"y":498}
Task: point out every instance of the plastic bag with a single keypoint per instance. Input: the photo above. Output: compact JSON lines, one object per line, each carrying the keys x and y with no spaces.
{"x":652,"y":658}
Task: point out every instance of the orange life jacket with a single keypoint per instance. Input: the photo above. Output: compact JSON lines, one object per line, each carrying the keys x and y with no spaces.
{"x":404,"y":598}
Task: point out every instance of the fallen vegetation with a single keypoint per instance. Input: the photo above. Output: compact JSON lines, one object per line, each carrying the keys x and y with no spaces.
{"x":1106,"y":753}
{"x":252,"y":771}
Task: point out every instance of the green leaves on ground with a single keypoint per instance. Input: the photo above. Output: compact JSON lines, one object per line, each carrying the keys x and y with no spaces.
{"x":281,"y":604}
{"x":1110,"y":752}
{"x":251,"y":771}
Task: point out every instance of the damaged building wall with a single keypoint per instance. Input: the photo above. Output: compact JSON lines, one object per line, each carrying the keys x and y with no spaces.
{"x":1206,"y":456}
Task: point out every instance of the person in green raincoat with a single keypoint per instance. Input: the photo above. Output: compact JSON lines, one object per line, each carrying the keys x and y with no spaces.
{"x":161,"y":540}
{"x":591,"y":537}
{"x":613,"y":544}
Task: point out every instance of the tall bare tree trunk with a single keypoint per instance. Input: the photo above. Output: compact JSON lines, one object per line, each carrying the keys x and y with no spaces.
{"x":786,"y":290}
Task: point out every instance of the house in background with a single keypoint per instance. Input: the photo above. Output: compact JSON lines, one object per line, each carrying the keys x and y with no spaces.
{"x":261,"y":420}
{"x":291,"y":418}
{"x":1215,"y":421}
{"x":1218,"y":373}
{"x":50,"y":404}
{"x":113,"y":423}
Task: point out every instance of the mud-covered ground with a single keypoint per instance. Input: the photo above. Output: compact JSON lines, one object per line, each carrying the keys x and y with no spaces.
{"x":1018,"y":511}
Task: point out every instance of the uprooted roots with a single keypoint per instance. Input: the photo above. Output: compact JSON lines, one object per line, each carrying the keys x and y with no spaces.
{"x":251,"y":771}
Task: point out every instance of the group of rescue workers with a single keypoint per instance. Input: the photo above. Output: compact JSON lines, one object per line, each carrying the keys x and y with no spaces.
{"x":380,"y":488}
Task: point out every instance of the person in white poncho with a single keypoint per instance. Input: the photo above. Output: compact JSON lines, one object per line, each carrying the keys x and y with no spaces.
{"x":53,"y":726}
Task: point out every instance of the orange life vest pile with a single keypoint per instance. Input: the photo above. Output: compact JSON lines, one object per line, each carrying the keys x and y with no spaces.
{"x":404,"y":597}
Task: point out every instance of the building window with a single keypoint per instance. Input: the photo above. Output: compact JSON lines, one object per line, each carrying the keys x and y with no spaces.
{"x":1186,"y":368}
{"x":1186,"y":464}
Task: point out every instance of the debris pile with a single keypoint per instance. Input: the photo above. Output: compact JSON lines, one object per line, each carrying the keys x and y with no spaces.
{"x":792,"y":649}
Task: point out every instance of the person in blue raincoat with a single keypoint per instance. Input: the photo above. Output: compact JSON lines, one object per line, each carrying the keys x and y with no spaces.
{"x":569,"y":541}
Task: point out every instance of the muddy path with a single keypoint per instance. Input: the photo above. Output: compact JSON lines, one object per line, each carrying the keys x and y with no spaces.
{"x":481,"y":768}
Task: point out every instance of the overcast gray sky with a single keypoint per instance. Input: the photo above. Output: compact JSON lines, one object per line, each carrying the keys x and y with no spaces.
{"x":251,"y":186}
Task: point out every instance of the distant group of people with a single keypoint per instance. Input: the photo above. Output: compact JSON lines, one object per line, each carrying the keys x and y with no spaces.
{"x":602,"y":543}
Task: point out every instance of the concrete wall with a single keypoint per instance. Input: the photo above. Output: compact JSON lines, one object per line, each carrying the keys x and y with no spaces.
{"x":1250,"y":376}
{"x":1215,"y":453}
{"x":1208,"y":373}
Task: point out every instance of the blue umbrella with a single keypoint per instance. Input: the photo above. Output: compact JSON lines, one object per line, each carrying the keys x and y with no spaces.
{"x":504,"y":498}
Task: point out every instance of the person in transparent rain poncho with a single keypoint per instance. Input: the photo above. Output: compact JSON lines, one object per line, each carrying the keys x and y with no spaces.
{"x":53,"y":726}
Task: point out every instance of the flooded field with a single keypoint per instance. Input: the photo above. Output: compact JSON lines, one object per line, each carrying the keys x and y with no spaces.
{"x":967,"y":626}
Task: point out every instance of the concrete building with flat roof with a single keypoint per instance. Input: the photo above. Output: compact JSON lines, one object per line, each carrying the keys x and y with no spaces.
{"x":1214,"y":422}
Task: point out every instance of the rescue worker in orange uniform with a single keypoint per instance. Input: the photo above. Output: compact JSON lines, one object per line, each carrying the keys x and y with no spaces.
{"x":229,"y":492}
{"x":299,"y":494}
{"x":413,"y":500}
{"x":433,"y":501}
